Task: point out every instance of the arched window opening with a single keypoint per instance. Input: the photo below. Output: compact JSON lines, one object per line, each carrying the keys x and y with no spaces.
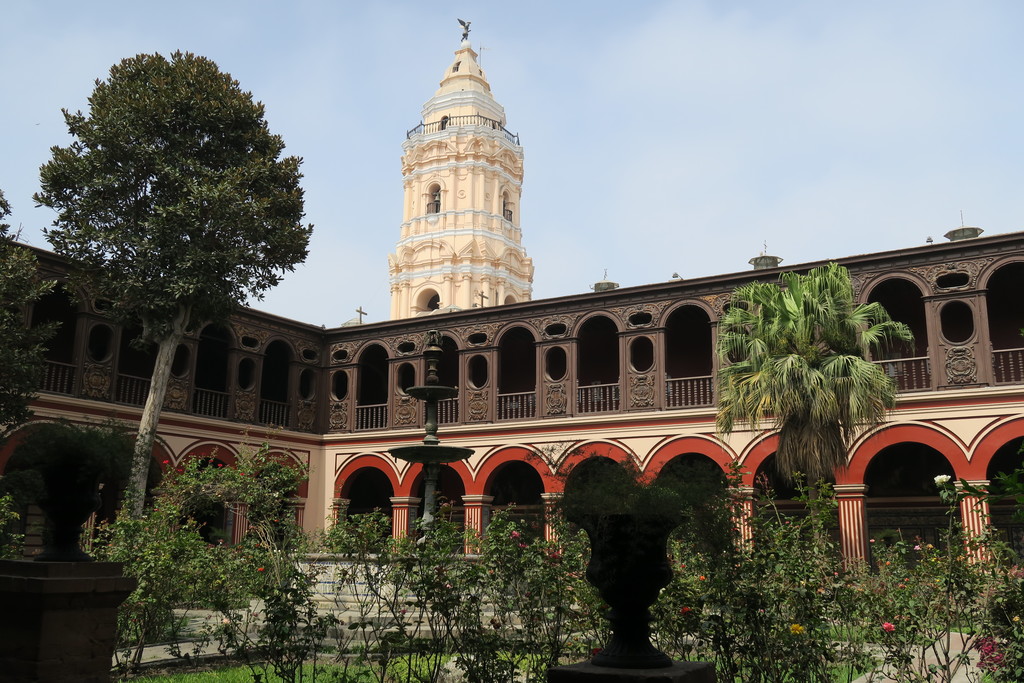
{"x":517,"y":375}
{"x":902,"y":499}
{"x":906,"y":362}
{"x":434,"y":199}
{"x":274,"y":384}
{"x":1007,"y":459}
{"x":598,"y":367}
{"x":506,"y":207}
{"x":517,"y":490}
{"x":1005,"y":313}
{"x":450,"y":490}
{"x":689,"y":358}
{"x":210,"y":396}
{"x":56,"y":307}
{"x":368,"y":490}
{"x":372,"y":385}
{"x":135,"y":362}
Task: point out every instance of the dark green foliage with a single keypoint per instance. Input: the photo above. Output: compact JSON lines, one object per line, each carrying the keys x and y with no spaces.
{"x":173,"y":194}
{"x":21,"y":361}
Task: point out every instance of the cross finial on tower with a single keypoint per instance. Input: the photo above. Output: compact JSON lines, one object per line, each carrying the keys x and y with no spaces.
{"x":361,"y":313}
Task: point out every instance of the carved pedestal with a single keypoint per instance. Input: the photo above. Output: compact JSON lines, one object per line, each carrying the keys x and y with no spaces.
{"x":58,"y":620}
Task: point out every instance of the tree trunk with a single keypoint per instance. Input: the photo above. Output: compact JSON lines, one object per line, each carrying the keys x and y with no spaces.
{"x":135,"y":496}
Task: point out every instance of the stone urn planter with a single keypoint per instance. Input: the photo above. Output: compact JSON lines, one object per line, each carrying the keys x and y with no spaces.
{"x":628,"y":525}
{"x":68,"y":462}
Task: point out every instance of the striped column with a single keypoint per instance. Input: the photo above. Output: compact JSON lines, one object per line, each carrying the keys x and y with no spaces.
{"x":743,"y":512}
{"x":339,"y":509}
{"x":974,"y":515}
{"x":239,"y":522}
{"x":297,"y":508}
{"x":550,"y":504}
{"x":478,"y":515}
{"x":403,"y":514}
{"x":853,"y":521}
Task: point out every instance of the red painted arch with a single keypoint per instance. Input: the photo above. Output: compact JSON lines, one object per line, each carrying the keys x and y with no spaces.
{"x":907,"y":433}
{"x":362,"y":462}
{"x":209,"y":449}
{"x":585,"y":451}
{"x":494,"y":461}
{"x":411,"y":480}
{"x":991,"y":442}
{"x":756,"y":456}
{"x":713,"y":449}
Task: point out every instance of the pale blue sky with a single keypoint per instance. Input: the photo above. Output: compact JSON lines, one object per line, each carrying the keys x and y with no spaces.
{"x":660,"y":137}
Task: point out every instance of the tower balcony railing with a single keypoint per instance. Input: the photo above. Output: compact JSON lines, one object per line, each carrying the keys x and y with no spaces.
{"x":910,"y":374}
{"x":689,"y":391}
{"x":58,"y":378}
{"x":372,"y":417}
{"x":518,"y":406}
{"x":1008,"y":366}
{"x":597,"y":398}
{"x":467,"y":120}
{"x":212,"y":403}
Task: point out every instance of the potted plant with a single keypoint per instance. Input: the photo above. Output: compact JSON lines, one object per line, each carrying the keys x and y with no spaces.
{"x":628,"y":524}
{"x":69,"y":461}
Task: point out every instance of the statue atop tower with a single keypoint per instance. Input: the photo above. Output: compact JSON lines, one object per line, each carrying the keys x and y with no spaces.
{"x":460,"y":244}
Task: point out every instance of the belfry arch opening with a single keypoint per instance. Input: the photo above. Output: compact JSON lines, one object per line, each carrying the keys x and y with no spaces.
{"x":434,"y":199}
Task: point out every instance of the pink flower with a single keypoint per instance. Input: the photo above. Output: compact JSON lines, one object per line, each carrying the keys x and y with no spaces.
{"x":515,"y":534}
{"x":888,"y":627}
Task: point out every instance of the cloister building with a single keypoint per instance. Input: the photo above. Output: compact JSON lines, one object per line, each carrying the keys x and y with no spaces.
{"x":623,"y":373}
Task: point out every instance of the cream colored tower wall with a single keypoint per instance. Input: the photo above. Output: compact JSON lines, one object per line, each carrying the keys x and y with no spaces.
{"x":462,"y":177}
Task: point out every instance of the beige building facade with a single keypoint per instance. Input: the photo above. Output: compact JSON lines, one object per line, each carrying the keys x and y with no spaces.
{"x":460,"y":244}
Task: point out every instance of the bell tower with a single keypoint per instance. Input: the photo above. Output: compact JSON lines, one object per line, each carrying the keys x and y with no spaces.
{"x":462,"y":170}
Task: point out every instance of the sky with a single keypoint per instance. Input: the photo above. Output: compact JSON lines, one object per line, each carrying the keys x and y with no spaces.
{"x":660,"y":137}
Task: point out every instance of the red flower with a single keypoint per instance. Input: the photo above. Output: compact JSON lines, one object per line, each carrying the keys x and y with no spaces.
{"x":259,"y":569}
{"x":685,"y":610}
{"x":888,"y":628}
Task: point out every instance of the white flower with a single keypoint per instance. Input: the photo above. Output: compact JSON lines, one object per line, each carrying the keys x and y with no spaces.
{"x":942,"y":479}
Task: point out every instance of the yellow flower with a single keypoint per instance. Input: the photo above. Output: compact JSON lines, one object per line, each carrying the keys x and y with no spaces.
{"x":796,"y":629}
{"x":1016,"y":619}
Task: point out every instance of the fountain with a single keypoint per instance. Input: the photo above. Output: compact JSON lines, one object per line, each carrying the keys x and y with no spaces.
{"x":431,"y":454}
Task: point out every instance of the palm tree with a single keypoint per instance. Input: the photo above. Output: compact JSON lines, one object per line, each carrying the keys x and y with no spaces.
{"x":795,"y":355}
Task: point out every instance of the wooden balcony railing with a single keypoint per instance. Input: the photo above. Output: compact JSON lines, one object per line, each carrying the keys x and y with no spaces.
{"x":132,"y":390}
{"x":448,"y":411}
{"x":689,"y":391}
{"x":597,"y":398}
{"x":1008,"y":366}
{"x":372,"y":417}
{"x":274,"y":413}
{"x":520,"y":406}
{"x":910,"y":374}
{"x":214,"y":404}
{"x":58,"y":378}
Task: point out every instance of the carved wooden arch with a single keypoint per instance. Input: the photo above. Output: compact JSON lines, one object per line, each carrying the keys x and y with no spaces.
{"x":362,"y":462}
{"x":992,"y":268}
{"x":507,"y":327}
{"x":599,"y":313}
{"x":871,"y":283}
{"x":929,"y":435}
{"x":703,"y":305}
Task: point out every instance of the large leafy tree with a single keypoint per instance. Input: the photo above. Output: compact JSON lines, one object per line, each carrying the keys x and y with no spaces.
{"x":174,"y":205}
{"x":795,"y":357}
{"x":21,"y":358}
